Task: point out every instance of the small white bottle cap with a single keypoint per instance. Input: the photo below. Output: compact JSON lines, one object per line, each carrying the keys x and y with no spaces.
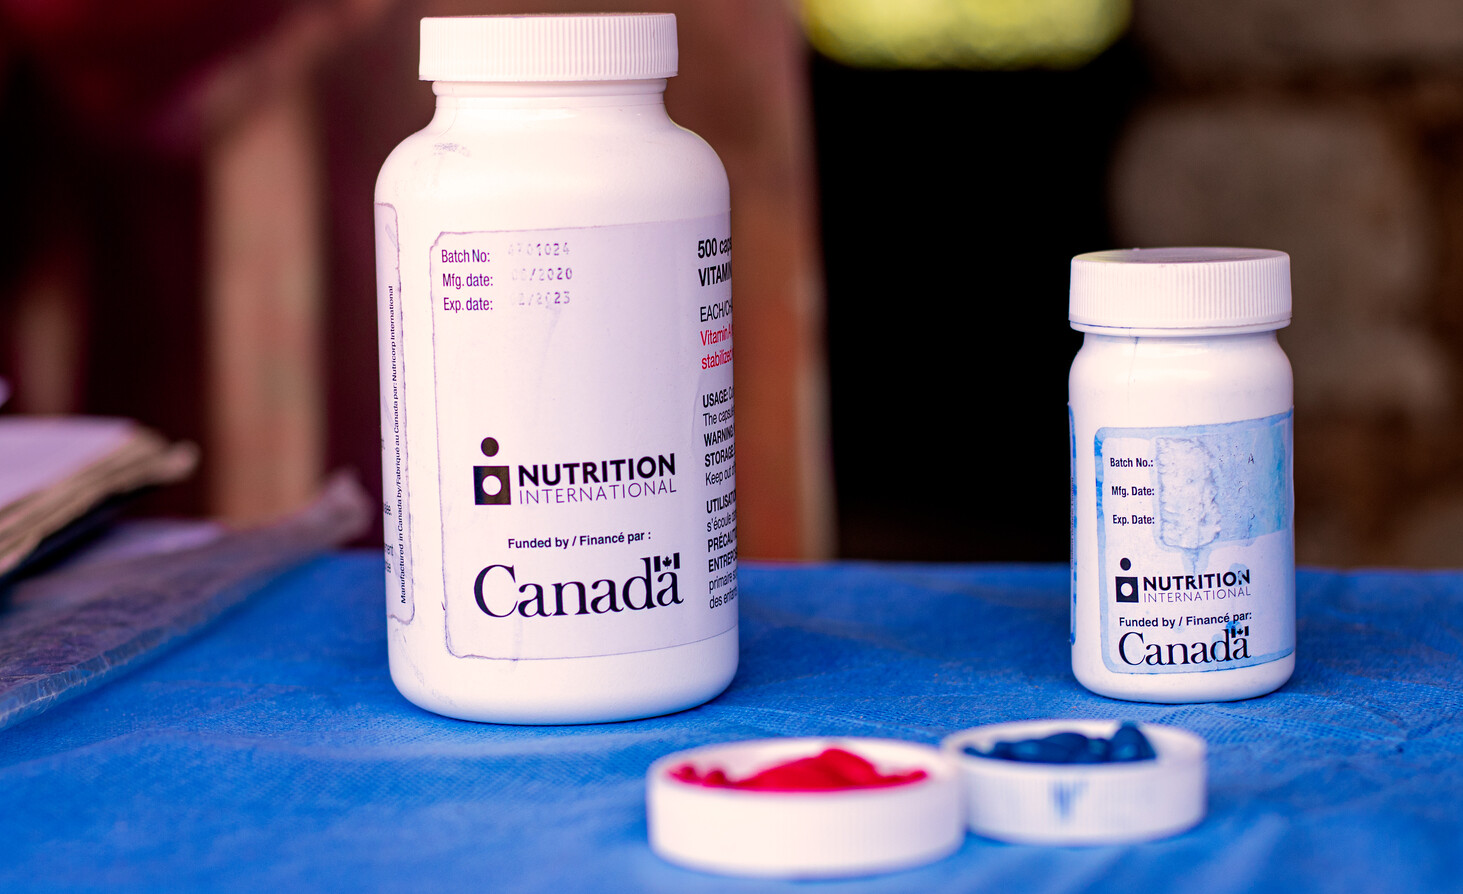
{"x":1081,"y":804}
{"x":607,"y":47}
{"x":819,"y":834}
{"x":1176,"y":291}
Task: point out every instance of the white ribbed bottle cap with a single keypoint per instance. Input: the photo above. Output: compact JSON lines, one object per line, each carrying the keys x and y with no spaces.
{"x":1175,"y":291}
{"x":1081,"y":804}
{"x":816,"y":834}
{"x":608,"y":47}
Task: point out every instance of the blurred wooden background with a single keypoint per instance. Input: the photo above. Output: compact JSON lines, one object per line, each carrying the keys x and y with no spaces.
{"x":187,"y":240}
{"x":204,"y":255}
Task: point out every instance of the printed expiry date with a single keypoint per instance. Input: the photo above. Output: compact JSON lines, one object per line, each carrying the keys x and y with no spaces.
{"x":554,"y":298}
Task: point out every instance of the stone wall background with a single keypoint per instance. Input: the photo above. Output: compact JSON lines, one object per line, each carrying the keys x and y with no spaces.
{"x":1333,"y":130}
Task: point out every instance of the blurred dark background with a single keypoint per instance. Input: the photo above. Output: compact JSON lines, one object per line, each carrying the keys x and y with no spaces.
{"x":187,"y":241}
{"x":952,"y":202}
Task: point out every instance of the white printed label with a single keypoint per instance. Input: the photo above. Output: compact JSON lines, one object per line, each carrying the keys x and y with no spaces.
{"x":396,"y":520}
{"x":585,"y":437}
{"x":1195,"y":546}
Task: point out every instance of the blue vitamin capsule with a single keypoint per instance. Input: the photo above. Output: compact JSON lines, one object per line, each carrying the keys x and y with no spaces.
{"x":999,"y":751}
{"x":1035,"y":751}
{"x":1065,"y":748}
{"x":1096,"y":752}
{"x":1129,"y":744}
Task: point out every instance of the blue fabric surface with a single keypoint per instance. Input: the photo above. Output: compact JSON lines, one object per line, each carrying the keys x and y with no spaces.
{"x":273,"y":753}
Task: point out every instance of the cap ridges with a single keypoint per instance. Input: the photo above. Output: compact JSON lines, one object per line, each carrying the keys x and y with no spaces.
{"x":597,"y":47}
{"x":1180,"y":289}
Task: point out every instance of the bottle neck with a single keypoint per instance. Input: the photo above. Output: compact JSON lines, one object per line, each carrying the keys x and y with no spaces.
{"x":1174,"y":332}
{"x":1170,"y":347}
{"x":548,"y":94}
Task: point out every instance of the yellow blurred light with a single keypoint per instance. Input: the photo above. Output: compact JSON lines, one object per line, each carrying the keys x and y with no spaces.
{"x":993,"y":34}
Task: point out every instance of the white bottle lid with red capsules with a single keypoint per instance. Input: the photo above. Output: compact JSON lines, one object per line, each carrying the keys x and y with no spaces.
{"x":828,"y":833}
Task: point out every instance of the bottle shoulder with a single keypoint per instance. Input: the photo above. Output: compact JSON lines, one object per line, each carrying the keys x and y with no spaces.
{"x":1259,"y":353}
{"x":1206,"y":375}
{"x":644,"y":172}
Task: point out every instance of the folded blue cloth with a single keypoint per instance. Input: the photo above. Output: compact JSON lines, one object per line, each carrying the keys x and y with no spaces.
{"x":273,"y":754}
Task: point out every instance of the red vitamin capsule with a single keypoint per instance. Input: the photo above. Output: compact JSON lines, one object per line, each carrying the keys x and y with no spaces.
{"x":832,"y":770}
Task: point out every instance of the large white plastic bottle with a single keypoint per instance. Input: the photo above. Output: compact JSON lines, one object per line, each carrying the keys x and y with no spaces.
{"x":554,"y":273}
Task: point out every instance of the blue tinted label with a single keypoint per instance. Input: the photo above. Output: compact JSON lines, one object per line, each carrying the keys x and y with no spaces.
{"x":1072,"y":439}
{"x":1195,"y":545}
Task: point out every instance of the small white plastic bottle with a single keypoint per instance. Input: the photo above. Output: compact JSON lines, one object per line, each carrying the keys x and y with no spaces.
{"x":554,"y":275}
{"x":1183,"y":558}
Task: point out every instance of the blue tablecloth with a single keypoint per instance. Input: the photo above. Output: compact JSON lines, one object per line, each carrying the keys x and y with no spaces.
{"x":272,"y":753}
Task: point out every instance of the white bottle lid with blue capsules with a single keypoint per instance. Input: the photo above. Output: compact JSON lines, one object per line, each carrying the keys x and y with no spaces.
{"x":1056,"y":800}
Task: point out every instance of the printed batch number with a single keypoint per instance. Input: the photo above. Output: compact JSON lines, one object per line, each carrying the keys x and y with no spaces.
{"x":542,"y":299}
{"x":539,"y":249}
